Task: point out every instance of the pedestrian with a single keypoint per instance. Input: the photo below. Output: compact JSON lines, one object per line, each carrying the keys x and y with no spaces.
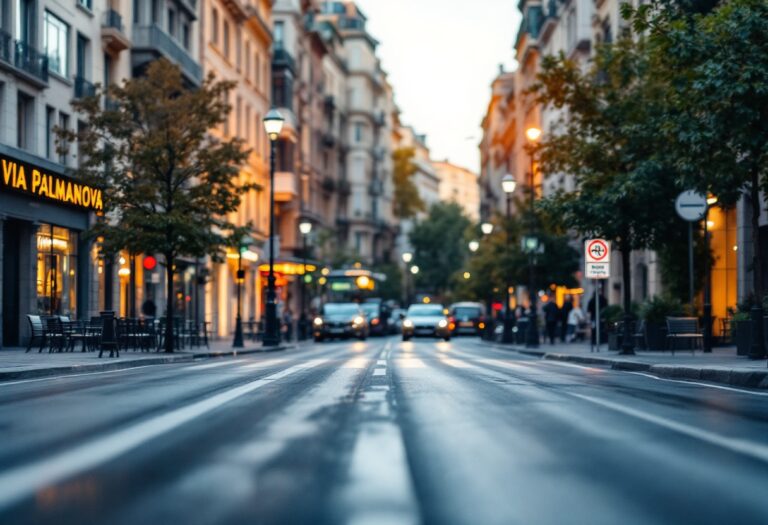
{"x":551,"y":319}
{"x":593,"y":315}
{"x":575,"y":318}
{"x":288,"y":323}
{"x":564,"y":313}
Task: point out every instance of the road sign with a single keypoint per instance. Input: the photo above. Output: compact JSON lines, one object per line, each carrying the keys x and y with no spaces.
{"x":691,"y":205}
{"x":597,"y":251}
{"x":598,"y":270}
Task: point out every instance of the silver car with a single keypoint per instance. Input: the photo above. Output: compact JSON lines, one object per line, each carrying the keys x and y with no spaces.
{"x":426,"y":320}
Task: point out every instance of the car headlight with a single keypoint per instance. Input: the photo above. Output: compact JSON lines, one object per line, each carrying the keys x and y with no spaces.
{"x":318,"y":321}
{"x":442,"y":323}
{"x":358,"y":320}
{"x":408,"y":323}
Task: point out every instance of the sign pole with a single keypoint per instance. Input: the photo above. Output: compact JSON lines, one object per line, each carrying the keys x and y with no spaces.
{"x":597,"y":312}
{"x":690,"y":264}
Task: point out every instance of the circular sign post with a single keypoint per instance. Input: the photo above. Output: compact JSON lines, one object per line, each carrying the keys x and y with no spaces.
{"x":691,"y":206}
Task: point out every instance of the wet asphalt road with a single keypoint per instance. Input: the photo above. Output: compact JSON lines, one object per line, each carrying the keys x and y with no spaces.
{"x":380,"y":432}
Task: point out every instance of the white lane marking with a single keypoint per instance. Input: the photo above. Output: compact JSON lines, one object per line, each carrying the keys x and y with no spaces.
{"x":23,"y":481}
{"x":264,"y":364}
{"x":356,"y":362}
{"x":456,"y":363}
{"x":65,"y":376}
{"x":572,"y":365}
{"x":381,"y":362}
{"x":380,"y":372}
{"x":734,"y":444}
{"x":214,"y":365}
{"x":683,"y":381}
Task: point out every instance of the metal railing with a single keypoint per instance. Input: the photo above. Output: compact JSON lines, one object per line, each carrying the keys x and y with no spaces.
{"x":83,"y":88}
{"x":281,"y":57}
{"x":30,"y":60}
{"x":113,"y":19}
{"x":152,"y":37}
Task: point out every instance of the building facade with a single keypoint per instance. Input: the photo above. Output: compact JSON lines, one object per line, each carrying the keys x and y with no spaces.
{"x":460,"y":185}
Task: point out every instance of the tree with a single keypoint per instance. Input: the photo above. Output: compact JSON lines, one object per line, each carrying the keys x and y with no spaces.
{"x":437,"y":246}
{"x":608,"y":140}
{"x":717,"y":66}
{"x":407,"y":200}
{"x":168,"y":183}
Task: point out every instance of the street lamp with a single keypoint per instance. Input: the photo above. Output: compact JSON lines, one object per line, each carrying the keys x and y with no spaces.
{"x":473,"y":246}
{"x":532,"y":336}
{"x":240,"y":277}
{"x":486,"y":228}
{"x":414,"y":269}
{"x":273,"y":124}
{"x":407,"y":258}
{"x":305,"y":227}
{"x":508,"y":184}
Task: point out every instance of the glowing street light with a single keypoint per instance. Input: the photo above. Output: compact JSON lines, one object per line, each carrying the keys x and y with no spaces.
{"x":508,"y":184}
{"x":407,"y":257}
{"x":414,"y":269}
{"x":533,"y":134}
{"x":486,"y":228}
{"x":473,"y":246}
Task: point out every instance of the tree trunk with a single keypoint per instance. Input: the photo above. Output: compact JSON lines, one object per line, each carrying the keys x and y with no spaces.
{"x":169,"y":306}
{"x":627,"y":343}
{"x":757,"y":350}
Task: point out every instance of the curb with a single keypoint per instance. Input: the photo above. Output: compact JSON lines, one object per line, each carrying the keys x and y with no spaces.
{"x":108,"y":366}
{"x":757,"y":379}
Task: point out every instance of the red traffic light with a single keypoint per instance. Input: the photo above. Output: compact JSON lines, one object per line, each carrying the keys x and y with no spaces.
{"x":150,"y":263}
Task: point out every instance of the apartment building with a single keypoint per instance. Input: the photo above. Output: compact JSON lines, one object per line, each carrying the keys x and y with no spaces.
{"x":460,"y":185}
{"x":236,"y":46}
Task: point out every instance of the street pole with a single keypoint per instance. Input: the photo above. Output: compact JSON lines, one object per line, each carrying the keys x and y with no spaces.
{"x":507,"y":333}
{"x":690,"y":264}
{"x":238,"y":342}
{"x":271,"y":332}
{"x":303,"y":316}
{"x":597,"y":314}
{"x":707,"y":288}
{"x":532,"y":334}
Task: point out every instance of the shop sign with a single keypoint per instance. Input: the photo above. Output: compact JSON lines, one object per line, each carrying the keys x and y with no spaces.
{"x":32,"y":180}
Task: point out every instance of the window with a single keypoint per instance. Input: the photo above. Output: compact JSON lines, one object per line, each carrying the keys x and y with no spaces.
{"x":26,"y":21}
{"x":358,"y":132}
{"x":225,"y":36}
{"x":238,"y":48}
{"x":56,"y":44}
{"x":85,"y":3}
{"x":247,"y":74}
{"x":278,"y":34}
{"x":50,"y":138}
{"x":257,"y":72}
{"x":185,"y":36}
{"x":172,"y":22}
{"x":56,"y":270}
{"x":81,"y":54}
{"x":238,"y":115}
{"x":215,"y":26}
{"x":247,"y":135}
{"x":25,"y":106}
{"x":227,"y":116}
{"x":63,"y":124}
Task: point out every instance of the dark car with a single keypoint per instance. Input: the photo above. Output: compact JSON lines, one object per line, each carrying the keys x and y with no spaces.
{"x":377,"y":318}
{"x":427,"y":320}
{"x":467,"y":318}
{"x":340,"y":320}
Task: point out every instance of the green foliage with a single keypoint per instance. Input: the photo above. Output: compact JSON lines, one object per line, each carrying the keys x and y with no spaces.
{"x":392,"y":287}
{"x":673,"y":260}
{"x":658,"y":308}
{"x":407,"y":200}
{"x":438,"y":250}
{"x":612,"y":314}
{"x":169,"y":185}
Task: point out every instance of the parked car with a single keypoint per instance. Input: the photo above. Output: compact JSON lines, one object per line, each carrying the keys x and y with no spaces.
{"x":340,"y":320}
{"x":376,"y":314}
{"x":467,"y":318}
{"x":426,"y":320}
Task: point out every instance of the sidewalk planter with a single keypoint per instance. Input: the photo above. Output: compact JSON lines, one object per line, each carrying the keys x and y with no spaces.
{"x":742,"y":336}
{"x":656,"y":336}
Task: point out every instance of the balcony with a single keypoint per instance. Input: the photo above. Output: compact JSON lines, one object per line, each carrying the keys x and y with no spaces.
{"x":237,"y":9}
{"x":83,"y":88}
{"x":344,"y":187}
{"x":286,"y":186}
{"x":31,"y":61}
{"x":113,"y":35}
{"x":151,"y":42}
{"x":282,"y":58}
{"x":329,"y":141}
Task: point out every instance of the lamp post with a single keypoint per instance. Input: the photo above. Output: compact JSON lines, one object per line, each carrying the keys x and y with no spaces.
{"x":273,"y":124}
{"x":532,"y":336}
{"x":239,"y":278}
{"x":305,"y":227}
{"x":508,"y":184}
{"x":473,"y":246}
{"x":486,"y":228}
{"x":407,"y":258}
{"x":707,"y":343}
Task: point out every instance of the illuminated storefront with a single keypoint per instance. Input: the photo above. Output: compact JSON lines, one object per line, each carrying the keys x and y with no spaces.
{"x":47,"y":265}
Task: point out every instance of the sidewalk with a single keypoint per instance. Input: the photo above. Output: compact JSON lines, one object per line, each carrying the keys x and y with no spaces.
{"x":721,"y":366}
{"x":16,"y":364}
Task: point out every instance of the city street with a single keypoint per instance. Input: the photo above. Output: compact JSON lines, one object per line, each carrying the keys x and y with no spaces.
{"x":380,"y":432}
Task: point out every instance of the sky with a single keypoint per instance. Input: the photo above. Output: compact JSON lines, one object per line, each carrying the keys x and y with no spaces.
{"x":441,"y":57}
